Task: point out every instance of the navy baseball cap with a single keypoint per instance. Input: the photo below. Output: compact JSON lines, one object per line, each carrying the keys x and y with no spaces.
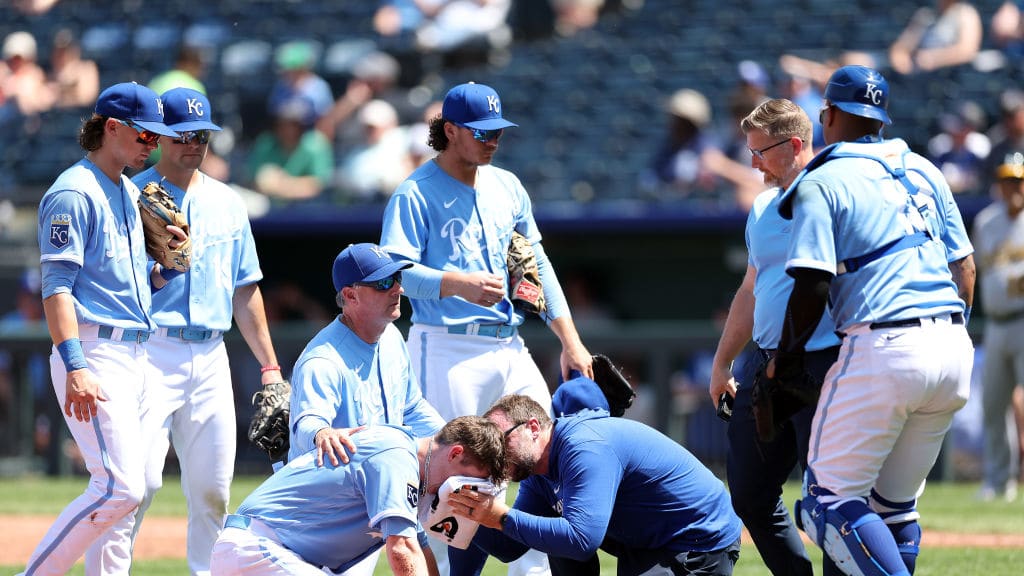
{"x":364,"y":263}
{"x":131,"y":101}
{"x":186,"y":109}
{"x":860,"y":91}
{"x":474,"y":106}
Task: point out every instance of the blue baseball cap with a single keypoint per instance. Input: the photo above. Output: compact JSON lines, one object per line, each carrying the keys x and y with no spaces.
{"x":474,"y":106}
{"x":131,"y":101}
{"x":364,"y":263}
{"x":860,"y":91}
{"x":186,"y":109}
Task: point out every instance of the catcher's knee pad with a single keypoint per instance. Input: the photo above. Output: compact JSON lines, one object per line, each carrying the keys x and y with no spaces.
{"x":809,"y":512}
{"x":901,"y":518}
{"x":859,"y":542}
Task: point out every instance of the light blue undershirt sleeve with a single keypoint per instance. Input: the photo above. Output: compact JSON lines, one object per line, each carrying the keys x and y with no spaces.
{"x":397,"y":526}
{"x":306,"y":429}
{"x":554,"y":298}
{"x":422,"y":282}
{"x":58,"y":277}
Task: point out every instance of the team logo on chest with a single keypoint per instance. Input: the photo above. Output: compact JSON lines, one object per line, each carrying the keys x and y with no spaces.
{"x":60,"y":230}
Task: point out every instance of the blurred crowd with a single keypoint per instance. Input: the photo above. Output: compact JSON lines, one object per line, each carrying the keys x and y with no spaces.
{"x":351,"y":137}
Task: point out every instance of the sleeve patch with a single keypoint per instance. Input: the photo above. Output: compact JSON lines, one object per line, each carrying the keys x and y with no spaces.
{"x":60,"y":230}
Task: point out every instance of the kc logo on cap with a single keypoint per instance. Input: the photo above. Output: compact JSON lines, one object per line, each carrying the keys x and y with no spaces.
{"x":131,"y":101}
{"x":474,"y":106}
{"x":187,"y":109}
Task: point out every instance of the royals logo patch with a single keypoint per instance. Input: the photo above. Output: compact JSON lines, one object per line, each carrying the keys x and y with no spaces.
{"x":60,"y":230}
{"x":412,"y":495}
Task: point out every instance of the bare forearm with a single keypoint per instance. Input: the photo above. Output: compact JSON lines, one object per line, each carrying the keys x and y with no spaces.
{"x":964,"y":275}
{"x":251,"y":318}
{"x":405,"y":557}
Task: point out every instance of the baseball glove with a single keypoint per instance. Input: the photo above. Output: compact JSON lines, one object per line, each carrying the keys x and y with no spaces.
{"x":525,"y":288}
{"x":613,"y":384}
{"x":775,"y":400}
{"x":158,"y":211}
{"x":268,"y":429}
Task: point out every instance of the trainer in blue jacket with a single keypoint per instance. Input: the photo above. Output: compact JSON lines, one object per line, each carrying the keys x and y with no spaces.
{"x":591,"y":481}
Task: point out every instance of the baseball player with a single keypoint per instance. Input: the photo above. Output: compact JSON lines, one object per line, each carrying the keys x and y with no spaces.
{"x":453,"y":219}
{"x":779,"y":137}
{"x":998,"y":236}
{"x":192,"y":403}
{"x":96,"y":298}
{"x":584,"y":485}
{"x":876,"y":233}
{"x":308,"y":518}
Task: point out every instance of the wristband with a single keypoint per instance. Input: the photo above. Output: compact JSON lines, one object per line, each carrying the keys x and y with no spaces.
{"x":501,"y":521}
{"x":169,"y":274}
{"x":72,"y":354}
{"x":269,"y":368}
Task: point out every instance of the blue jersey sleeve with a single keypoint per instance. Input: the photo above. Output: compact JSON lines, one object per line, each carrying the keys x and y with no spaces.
{"x":317,"y":390}
{"x":589,"y":483}
{"x":812,"y":244}
{"x":404,"y":232}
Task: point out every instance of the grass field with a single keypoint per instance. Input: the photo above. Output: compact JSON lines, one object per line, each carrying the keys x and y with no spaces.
{"x":947,"y":507}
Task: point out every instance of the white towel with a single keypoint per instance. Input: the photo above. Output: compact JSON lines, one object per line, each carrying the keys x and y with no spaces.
{"x":443,"y":524}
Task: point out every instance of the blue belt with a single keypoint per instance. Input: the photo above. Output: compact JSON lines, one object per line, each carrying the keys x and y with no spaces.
{"x":236,"y":521}
{"x":492,"y":330}
{"x":192,"y":334}
{"x":107,"y":332}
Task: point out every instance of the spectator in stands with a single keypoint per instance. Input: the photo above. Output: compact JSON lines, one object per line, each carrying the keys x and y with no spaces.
{"x":188,"y":71}
{"x":819,"y":72}
{"x":1007,"y":136}
{"x":1007,"y":28}
{"x":802,"y":91}
{"x":75,"y":82}
{"x":371,"y":170}
{"x":23,"y":89}
{"x":690,"y":162}
{"x":291,"y":161}
{"x":947,"y":35}
{"x":677,"y":166}
{"x":418,"y":136}
{"x":295,"y":62}
{"x":960,"y":149}
{"x":441,"y":25}
{"x":374,"y":77}
{"x":571,"y":16}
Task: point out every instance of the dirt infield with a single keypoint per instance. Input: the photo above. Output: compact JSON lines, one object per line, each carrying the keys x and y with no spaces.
{"x":162,"y":537}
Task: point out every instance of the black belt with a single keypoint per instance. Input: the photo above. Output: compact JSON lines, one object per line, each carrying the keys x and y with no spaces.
{"x":956,"y":317}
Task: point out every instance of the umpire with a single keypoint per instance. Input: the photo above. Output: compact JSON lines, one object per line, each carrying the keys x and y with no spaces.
{"x":779,"y":136}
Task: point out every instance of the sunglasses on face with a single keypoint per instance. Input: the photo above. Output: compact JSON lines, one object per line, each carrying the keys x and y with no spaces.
{"x":384,"y":284}
{"x":821,"y":113}
{"x":484,"y":135}
{"x":759,"y":154}
{"x":512,"y":429}
{"x":145,"y":136}
{"x":200,"y":136}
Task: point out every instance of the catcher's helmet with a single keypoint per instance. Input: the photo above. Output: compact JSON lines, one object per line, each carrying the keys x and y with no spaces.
{"x":860,"y":91}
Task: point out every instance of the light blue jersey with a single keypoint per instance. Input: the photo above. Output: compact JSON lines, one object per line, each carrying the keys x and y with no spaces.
{"x":848,"y":207}
{"x":331,"y":515}
{"x":85,"y":217}
{"x":767,"y":236}
{"x":434,"y":220}
{"x":340,"y":381}
{"x":223,"y":256}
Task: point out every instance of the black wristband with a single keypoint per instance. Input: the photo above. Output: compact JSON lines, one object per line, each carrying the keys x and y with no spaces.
{"x":501,"y":521}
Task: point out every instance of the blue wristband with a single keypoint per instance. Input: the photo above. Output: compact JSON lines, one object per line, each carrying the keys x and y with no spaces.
{"x":169,"y":274}
{"x":72,"y":354}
